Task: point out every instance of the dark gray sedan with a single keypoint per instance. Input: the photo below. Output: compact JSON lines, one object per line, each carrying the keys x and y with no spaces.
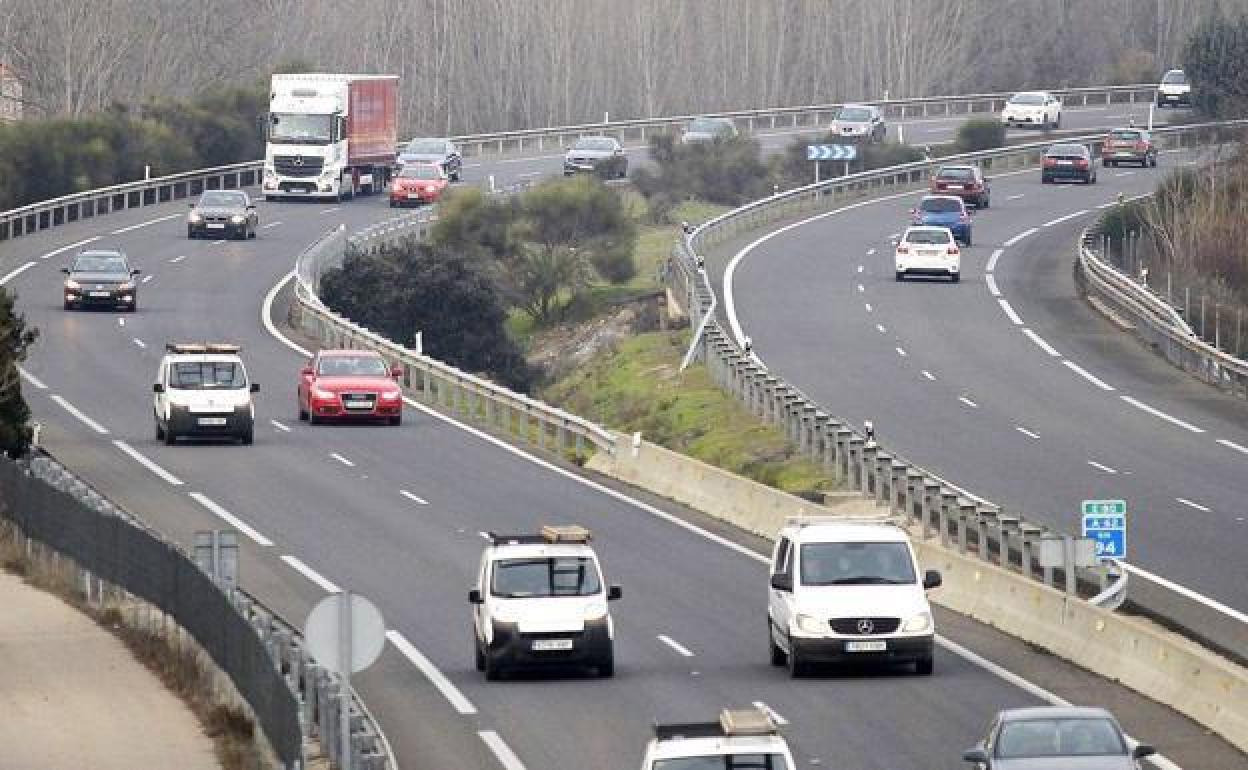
{"x":101,"y":278}
{"x":603,"y":154}
{"x":223,"y":214}
{"x":439,"y":152}
{"x":1056,"y":738}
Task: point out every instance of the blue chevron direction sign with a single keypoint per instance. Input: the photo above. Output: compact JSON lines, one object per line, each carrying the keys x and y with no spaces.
{"x":831,"y":152}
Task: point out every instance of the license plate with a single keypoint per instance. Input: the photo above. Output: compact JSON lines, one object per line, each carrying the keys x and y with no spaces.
{"x":879,"y":646}
{"x":361,"y":405}
{"x":929,"y":252}
{"x":1065,"y":163}
{"x":1124,"y":153}
{"x":215,"y":226}
{"x":212,"y":421}
{"x":99,"y":294}
{"x":552,"y":644}
{"x":413,"y":196}
{"x":953,"y":187}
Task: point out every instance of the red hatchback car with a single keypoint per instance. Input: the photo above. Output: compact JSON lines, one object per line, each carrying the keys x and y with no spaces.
{"x":418,"y":183}
{"x":349,"y":385}
{"x":966,"y":182}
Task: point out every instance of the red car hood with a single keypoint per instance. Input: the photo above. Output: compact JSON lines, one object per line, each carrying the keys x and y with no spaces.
{"x":341,"y":384}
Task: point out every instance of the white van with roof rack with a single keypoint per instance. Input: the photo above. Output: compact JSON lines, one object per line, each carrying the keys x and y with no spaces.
{"x":744,"y":738}
{"x":202,"y":390}
{"x":848,"y":590}
{"x":540,"y":600}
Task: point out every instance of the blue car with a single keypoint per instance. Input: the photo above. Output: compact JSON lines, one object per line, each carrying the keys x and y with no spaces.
{"x":944,"y":211}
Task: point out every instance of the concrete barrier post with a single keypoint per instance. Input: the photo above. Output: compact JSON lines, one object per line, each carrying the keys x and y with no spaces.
{"x":770,"y":385}
{"x":819,"y":438}
{"x":793,"y":417}
{"x":809,"y":437}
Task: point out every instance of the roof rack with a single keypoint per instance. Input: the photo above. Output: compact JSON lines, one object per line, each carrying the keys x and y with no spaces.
{"x":549,"y":534}
{"x":802,"y":520}
{"x":202,"y":347}
{"x":751,"y":721}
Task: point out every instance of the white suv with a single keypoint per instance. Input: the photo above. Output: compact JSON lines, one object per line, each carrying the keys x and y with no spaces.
{"x":846,"y":590}
{"x":928,"y":250}
{"x":1174,"y":90}
{"x":745,"y":738}
{"x":203,"y":390}
{"x":540,"y":600}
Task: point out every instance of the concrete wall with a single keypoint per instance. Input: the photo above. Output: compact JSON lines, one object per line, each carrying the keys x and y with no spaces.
{"x":1139,"y":654}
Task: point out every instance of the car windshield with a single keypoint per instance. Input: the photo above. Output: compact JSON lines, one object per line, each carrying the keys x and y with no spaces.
{"x":828,"y":564}
{"x":708,"y":126}
{"x":100,"y":264}
{"x":770,"y":761}
{"x":427,"y":147}
{"x":545,"y":576}
{"x":351,"y":366}
{"x":420,"y":171}
{"x":1059,"y":738}
{"x":924,"y":237}
{"x":219,"y":198}
{"x":854,"y":115}
{"x":1174,"y":77}
{"x":1128,"y":136}
{"x":594,"y":144}
{"x":1067,"y":151}
{"x":1028,"y":99}
{"x":300,"y":129}
{"x":955,"y":172}
{"x":941,"y":205}
{"x":206,"y":375}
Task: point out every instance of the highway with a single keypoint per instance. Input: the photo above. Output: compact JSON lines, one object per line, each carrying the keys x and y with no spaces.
{"x":396,"y":514}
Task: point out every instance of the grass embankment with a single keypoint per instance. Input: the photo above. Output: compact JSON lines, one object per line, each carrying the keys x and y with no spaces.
{"x":639,"y":387}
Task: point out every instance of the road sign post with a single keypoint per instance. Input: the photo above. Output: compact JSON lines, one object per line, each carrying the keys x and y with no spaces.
{"x":1105,"y":523}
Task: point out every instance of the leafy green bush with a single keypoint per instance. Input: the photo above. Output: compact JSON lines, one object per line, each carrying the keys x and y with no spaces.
{"x":980,"y":134}
{"x":726,"y":171}
{"x":15,"y":340}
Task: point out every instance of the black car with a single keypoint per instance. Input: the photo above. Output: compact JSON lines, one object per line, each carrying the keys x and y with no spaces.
{"x":441,"y":152}
{"x":101,"y":278}
{"x":1068,"y":161}
{"x":223,"y":214}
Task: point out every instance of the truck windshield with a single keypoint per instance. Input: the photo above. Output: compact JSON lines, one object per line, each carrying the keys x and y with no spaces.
{"x":300,"y":129}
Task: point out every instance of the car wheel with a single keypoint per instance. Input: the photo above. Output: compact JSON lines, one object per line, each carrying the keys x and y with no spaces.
{"x":777,"y":654}
{"x":1092,"y":179}
{"x":955,"y":277}
{"x":392,"y":203}
{"x":478,"y":656}
{"x":901,"y":275}
{"x":985,"y":201}
{"x":1044,"y":179}
{"x":303,"y":413}
{"x":923,"y":666}
{"x":133,"y":307}
{"x":69,"y":305}
{"x":248,"y":437}
{"x":1153,"y":161}
{"x":493,"y":667}
{"x":1058,"y":123}
{"x":396,"y":421}
{"x":312,"y":418}
{"x":606,"y":665}
{"x":190,"y":234}
{"x":160,"y":433}
{"x":170,"y":436}
{"x":455,"y":176}
{"x":797,"y":664}
{"x":968,"y":240}
{"x":252,"y":232}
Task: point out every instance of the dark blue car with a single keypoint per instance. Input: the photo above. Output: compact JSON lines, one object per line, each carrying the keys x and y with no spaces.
{"x":944,"y":211}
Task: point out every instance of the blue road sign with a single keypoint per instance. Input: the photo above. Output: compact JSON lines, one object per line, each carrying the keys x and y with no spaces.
{"x":1105,"y":522}
{"x":831,"y":152}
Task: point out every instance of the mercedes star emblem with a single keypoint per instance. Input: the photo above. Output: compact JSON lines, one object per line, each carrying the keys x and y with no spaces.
{"x":298,"y":160}
{"x":865,"y":626}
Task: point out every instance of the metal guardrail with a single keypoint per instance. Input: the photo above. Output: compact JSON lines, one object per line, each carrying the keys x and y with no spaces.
{"x":944,"y":510}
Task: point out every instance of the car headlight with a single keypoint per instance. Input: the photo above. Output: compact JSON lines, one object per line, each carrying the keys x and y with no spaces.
{"x":194,"y":217}
{"x":127,"y":286}
{"x":72,"y":285}
{"x":237,"y":219}
{"x":390,"y":396}
{"x":321,"y":393}
{"x":809,"y":624}
{"x":917,"y":623}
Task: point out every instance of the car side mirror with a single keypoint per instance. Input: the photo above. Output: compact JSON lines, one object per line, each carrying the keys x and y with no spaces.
{"x":1142,"y":750}
{"x":65,"y":270}
{"x":474,"y":596}
{"x":255,"y":387}
{"x":396,"y":372}
{"x":931,"y":579}
{"x":158,"y":388}
{"x":135,"y":271}
{"x":614,"y":592}
{"x":976,"y":754}
{"x":305,"y":371}
{"x":782,"y":582}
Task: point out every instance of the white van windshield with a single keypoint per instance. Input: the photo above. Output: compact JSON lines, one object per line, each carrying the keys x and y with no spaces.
{"x":827,"y":564}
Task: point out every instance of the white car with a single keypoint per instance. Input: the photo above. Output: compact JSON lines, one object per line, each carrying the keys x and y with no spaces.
{"x":848,"y":590}
{"x":203,"y":390}
{"x":1032,"y":108}
{"x":1174,"y":90}
{"x":540,"y":600}
{"x":745,"y":738}
{"x":928,"y":250}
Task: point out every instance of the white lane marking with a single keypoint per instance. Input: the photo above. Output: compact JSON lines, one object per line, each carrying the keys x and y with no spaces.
{"x":992,"y":261}
{"x":332,"y":210}
{"x":342,"y":459}
{"x":1100,"y":466}
{"x":502,"y":752}
{"x":140,"y":342}
{"x":992,"y":285}
{"x":280,"y":426}
{"x":1013,"y":197}
{"x":900,"y":352}
{"x":1059,"y":220}
{"x":64,"y":249}
{"x":413,"y":498}
{"x":929,"y":375}
{"x":16,"y":272}
{"x":271,"y":224}
{"x":529,"y":173}
{"x":880,"y":328}
{"x":968,"y":402}
{"x":1232,"y":445}
{"x":76,"y":412}
{"x":1045,"y":346}
{"x":1026,"y":432}
{"x":1085,"y":374}
{"x":147,"y":462}
{"x":449,"y":691}
{"x":861,"y":288}
{"x":867,"y":305}
{"x":870,"y":252}
{"x":310,"y":574}
{"x":145,"y":224}
{"x":1020,"y":236}
{"x":217,"y":243}
{"x":177,"y":259}
{"x":775,"y":717}
{"x":32,"y":379}
{"x":1107,"y":205}
{"x":1191,"y":504}
{"x":231,"y":519}
{"x":675,"y":645}
{"x":894,"y":236}
{"x":147,"y":278}
{"x":860,"y":268}
{"x":1009,"y":311}
{"x":1124,"y":173}
{"x":1158,"y":413}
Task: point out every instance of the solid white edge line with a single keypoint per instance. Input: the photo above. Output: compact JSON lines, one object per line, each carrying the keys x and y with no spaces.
{"x":144,"y":224}
{"x":1014,"y":197}
{"x":16,"y":272}
{"x":1191,"y":504}
{"x":1102,"y":467}
{"x":1138,"y":404}
{"x":64,"y":249}
{"x":1020,"y":236}
{"x":775,"y":717}
{"x":1009,"y":311}
{"x":298,"y":566}
{"x":449,"y":691}
{"x":992,"y":285}
{"x":1026,"y":432}
{"x":413,"y":498}
{"x":1040,"y":342}
{"x":1085,"y":374}
{"x":147,"y":462}
{"x":682,"y":650}
{"x":502,"y":752}
{"x":85,"y":420}
{"x":342,"y":459}
{"x":1212,"y":604}
{"x":271,"y":224}
{"x":1232,"y":445}
{"x":1059,"y":220}
{"x":266,"y":311}
{"x":231,"y":519}
{"x":32,"y":379}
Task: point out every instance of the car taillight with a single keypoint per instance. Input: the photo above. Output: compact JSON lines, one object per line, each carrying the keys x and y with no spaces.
{"x":1081,"y":163}
{"x":1141,"y":146}
{"x":973,"y":187}
{"x":939,"y":185}
{"x":397,"y":186}
{"x":1050,"y":162}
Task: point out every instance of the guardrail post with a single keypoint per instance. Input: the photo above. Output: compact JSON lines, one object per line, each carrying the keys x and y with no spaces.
{"x":966,"y":515}
{"x":897,"y":486}
{"x":561,"y":436}
{"x":1029,"y":534}
{"x":808,"y":436}
{"x":883,"y":478}
{"x":843,"y":460}
{"x":856,"y":481}
{"x":985,"y":518}
{"x":931,"y":504}
{"x":914,"y":493}
{"x":869,"y":480}
{"x":1006,"y":524}
{"x":948,"y":514}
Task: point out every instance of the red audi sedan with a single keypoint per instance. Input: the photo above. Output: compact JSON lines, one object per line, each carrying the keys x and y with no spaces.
{"x":349,"y":385}
{"x":418,"y":183}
